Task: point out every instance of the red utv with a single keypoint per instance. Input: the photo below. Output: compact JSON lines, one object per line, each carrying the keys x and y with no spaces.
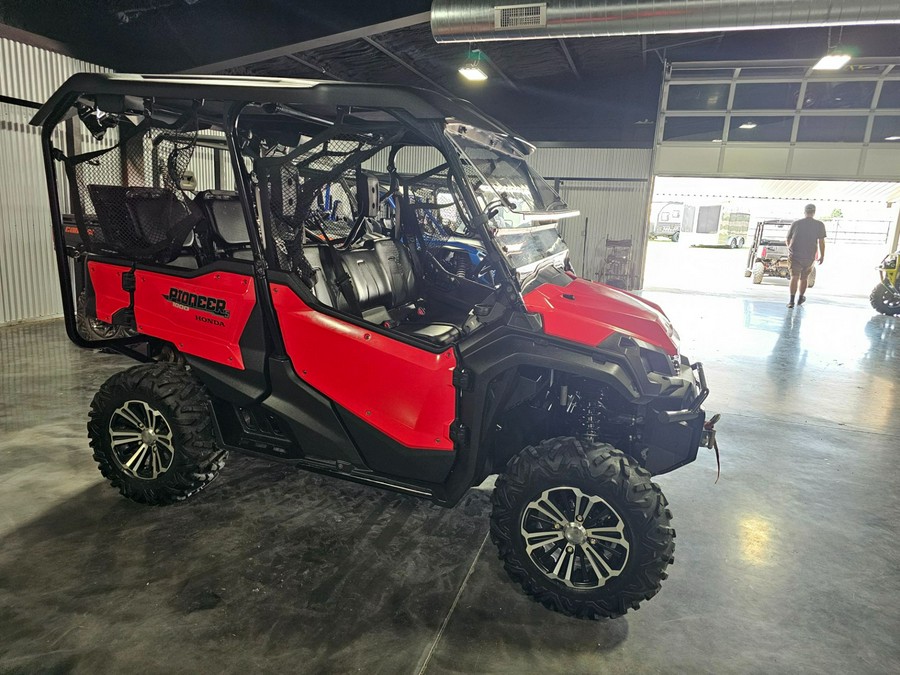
{"x":267,"y":250}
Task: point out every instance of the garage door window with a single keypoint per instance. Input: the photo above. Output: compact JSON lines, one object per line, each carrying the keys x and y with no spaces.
{"x":698,"y":96}
{"x":693,"y":128}
{"x":890,"y":95}
{"x":832,"y":95}
{"x":766,"y":96}
{"x":761,"y":129}
{"x":832,"y":129}
{"x":886,"y":129}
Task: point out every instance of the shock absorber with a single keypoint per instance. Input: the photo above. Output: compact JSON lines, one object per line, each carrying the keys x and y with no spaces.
{"x":590,"y":413}
{"x":463,"y":264}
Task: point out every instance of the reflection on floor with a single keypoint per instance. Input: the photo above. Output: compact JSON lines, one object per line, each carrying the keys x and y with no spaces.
{"x":788,"y":564}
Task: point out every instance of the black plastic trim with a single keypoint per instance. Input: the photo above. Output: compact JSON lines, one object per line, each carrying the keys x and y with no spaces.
{"x":385,"y":455}
{"x":311,"y":417}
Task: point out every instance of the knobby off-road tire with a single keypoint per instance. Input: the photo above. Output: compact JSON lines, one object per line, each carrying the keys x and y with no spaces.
{"x":884,"y":300}
{"x":90,"y":328}
{"x":759,"y":271}
{"x":151,"y":433}
{"x":627,"y":523}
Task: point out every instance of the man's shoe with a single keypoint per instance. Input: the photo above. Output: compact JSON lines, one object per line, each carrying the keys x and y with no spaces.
{"x":801,"y":300}
{"x":791,"y":305}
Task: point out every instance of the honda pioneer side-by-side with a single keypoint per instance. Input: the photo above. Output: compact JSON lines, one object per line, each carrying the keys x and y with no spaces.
{"x":365,"y":281}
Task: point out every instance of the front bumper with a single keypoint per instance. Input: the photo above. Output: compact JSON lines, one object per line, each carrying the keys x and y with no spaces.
{"x":673,"y":437}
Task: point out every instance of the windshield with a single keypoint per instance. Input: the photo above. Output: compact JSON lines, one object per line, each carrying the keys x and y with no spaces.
{"x":526,"y":209}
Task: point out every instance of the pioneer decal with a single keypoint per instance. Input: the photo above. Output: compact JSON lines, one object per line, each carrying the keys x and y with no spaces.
{"x":202,"y":303}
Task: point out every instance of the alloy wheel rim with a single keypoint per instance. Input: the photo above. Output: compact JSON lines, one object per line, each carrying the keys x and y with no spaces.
{"x":141,"y":440}
{"x":574,"y":538}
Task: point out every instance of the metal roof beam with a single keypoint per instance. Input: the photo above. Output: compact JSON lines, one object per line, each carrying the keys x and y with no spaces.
{"x":313,"y":66}
{"x":306,"y":45}
{"x":568,"y":55}
{"x":411,"y":68}
{"x":503,"y":76}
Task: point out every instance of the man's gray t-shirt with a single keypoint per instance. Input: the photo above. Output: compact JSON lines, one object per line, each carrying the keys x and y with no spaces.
{"x":804,"y":236}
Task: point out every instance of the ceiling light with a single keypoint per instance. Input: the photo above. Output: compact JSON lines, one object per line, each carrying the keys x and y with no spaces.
{"x":473,"y":72}
{"x":717,"y":140}
{"x":833,"y":60}
{"x":892,"y":138}
{"x":748,"y":125}
{"x":471,"y":69}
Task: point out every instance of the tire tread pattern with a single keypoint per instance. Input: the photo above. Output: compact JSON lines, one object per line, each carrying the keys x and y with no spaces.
{"x":617,"y":477}
{"x":197,"y":459}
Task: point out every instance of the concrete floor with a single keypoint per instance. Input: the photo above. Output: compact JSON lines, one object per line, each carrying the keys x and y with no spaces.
{"x":788,"y":564}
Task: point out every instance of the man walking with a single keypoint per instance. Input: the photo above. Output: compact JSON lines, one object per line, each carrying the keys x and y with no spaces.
{"x":803,"y":238}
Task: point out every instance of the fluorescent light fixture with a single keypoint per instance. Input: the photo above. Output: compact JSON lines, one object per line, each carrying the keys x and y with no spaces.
{"x":748,"y":125}
{"x":717,"y":140}
{"x":473,"y":72}
{"x":892,"y":138}
{"x":832,"y":61}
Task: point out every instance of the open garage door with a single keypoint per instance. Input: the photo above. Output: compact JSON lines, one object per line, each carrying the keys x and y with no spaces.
{"x":742,"y":147}
{"x":722,"y":223}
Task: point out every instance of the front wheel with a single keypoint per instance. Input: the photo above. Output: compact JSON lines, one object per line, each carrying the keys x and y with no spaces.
{"x":676,"y":236}
{"x":884,"y":300}
{"x":582,"y":528}
{"x":759,"y":271}
{"x":151,"y":433}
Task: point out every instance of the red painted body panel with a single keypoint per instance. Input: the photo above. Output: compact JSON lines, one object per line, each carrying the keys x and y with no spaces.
{"x":595,"y":311}
{"x":106,"y":280}
{"x":206,"y":317}
{"x":405,"y":392}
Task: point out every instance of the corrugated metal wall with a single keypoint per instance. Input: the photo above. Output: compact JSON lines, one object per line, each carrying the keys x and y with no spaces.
{"x":32,"y":74}
{"x":28,"y":281}
{"x":611,"y":188}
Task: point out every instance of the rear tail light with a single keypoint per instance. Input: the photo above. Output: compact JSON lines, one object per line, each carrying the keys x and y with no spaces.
{"x":764,"y":251}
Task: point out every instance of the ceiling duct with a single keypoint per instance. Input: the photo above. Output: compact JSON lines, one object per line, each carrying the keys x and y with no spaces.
{"x":480,"y":21}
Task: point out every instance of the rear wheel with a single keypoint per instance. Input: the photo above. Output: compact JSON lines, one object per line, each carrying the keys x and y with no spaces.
{"x":759,"y":271}
{"x":676,"y":236}
{"x":582,"y":528}
{"x":90,"y":328}
{"x":884,"y":300}
{"x":740,"y":242}
{"x":151,"y":433}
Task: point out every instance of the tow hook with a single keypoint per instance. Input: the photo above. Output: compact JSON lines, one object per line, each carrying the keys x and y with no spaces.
{"x":708,"y":440}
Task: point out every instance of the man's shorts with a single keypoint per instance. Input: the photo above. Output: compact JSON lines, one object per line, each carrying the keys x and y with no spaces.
{"x":800,"y":270}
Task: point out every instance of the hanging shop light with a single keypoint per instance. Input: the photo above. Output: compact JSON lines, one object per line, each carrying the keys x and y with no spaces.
{"x":473,"y":68}
{"x":837,"y":57}
{"x":749,"y":124}
{"x":834,"y":60}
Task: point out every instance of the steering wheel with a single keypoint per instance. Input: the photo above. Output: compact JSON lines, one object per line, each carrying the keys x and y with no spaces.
{"x":484,"y":266}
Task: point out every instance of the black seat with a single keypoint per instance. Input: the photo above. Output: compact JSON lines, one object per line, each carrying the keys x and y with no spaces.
{"x":142,"y":222}
{"x":226,"y":223}
{"x":375,"y":282}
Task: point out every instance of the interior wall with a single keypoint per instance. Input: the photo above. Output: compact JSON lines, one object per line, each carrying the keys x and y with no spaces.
{"x":29,"y":288}
{"x":611,"y":188}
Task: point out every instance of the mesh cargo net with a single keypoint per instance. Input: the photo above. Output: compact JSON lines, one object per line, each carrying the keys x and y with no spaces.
{"x":129,"y":200}
{"x":309,"y":195}
{"x":438,"y":213}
